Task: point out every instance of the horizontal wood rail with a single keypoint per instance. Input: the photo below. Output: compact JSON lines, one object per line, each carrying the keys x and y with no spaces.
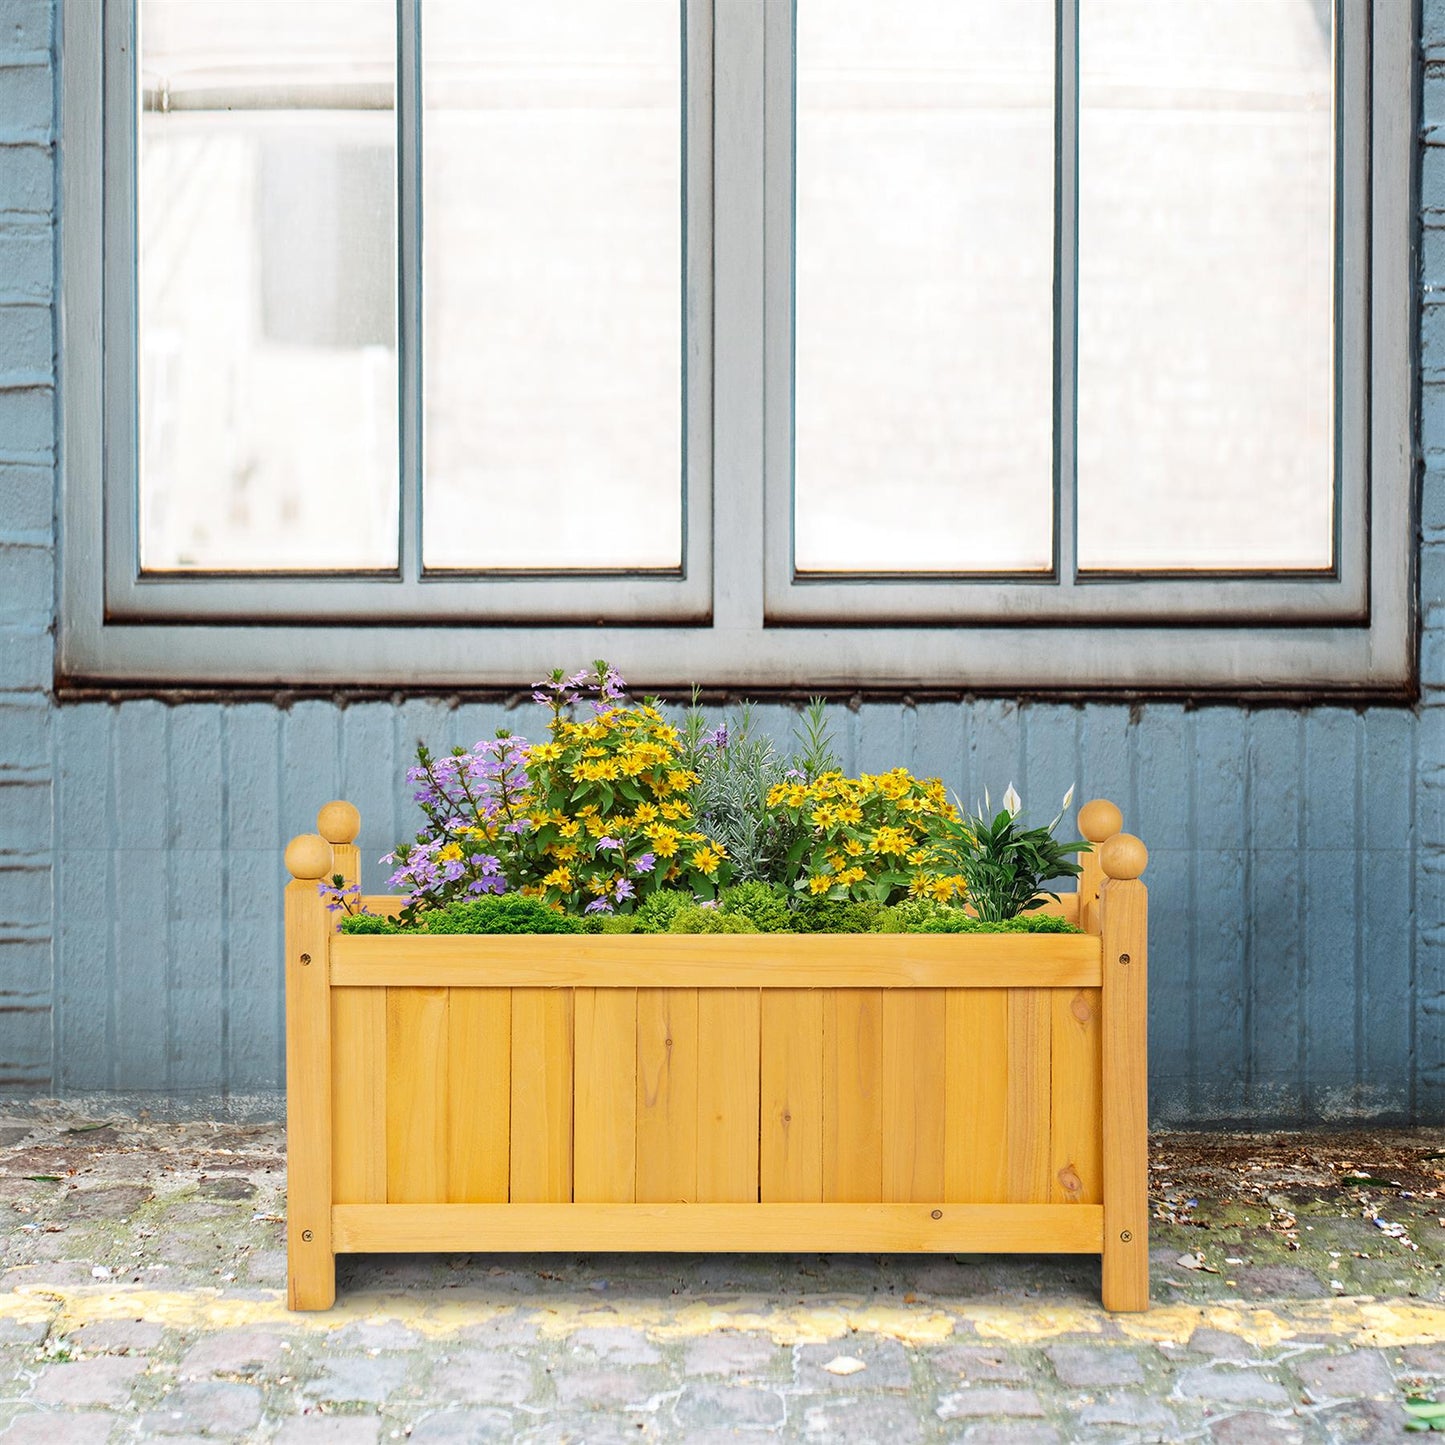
{"x":839,"y":960}
{"x":754,"y":1228}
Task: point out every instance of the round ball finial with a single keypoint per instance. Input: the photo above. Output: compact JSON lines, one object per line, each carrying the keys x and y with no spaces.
{"x":1124,"y":856}
{"x":338,"y":822}
{"x":308,"y":855}
{"x":1099,"y":820}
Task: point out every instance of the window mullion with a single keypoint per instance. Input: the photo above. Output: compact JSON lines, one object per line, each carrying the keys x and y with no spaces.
{"x":409,"y":282}
{"x":1066,"y":292}
{"x":749,"y":278}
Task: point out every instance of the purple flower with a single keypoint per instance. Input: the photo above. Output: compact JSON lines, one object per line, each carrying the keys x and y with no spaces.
{"x":600,"y":905}
{"x":624,"y":889}
{"x":717,"y":738}
{"x":608,"y":843}
{"x":645,"y":864}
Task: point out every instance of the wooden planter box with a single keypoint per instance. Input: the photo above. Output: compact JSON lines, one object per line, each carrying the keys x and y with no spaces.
{"x":883,"y":1093}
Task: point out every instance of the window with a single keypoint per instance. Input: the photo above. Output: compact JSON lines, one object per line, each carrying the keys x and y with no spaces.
{"x":1061,"y":346}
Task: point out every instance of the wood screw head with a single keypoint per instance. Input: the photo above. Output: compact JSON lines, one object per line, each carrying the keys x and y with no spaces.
{"x":1126,"y":1236}
{"x":1123,"y":958}
{"x":938,"y":1214}
{"x":306,"y":958}
{"x":306,"y":1235}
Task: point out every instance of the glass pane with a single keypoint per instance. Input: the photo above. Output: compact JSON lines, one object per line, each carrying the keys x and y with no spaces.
{"x":267,"y":285}
{"x":925,"y":263}
{"x":1206,"y":276}
{"x":553,"y":283}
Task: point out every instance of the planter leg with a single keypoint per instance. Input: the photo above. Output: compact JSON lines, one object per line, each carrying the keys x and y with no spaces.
{"x":310,"y":1260}
{"x":310,"y":1273}
{"x":1123,"y":909}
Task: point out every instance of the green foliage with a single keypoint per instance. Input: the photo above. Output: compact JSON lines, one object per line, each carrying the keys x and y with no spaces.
{"x":655,"y":913}
{"x":710,"y":920}
{"x":829,"y":915}
{"x":369,"y":923}
{"x":737,"y":768}
{"x":504,"y":913}
{"x":764,"y":905}
{"x":608,"y":923}
{"x":1004,"y":866}
{"x":1423,"y":1414}
{"x":957,"y":921}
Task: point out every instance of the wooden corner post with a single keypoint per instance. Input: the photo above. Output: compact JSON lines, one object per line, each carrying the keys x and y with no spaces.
{"x":339,"y":823}
{"x":1124,"y":922}
{"x":310,"y":1259}
{"x":1098,"y":822}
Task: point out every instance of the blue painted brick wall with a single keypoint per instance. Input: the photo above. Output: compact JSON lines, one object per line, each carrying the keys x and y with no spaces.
{"x":1298,"y":868}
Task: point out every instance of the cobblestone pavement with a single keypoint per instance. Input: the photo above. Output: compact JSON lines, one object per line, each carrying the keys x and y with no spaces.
{"x":142,"y":1299}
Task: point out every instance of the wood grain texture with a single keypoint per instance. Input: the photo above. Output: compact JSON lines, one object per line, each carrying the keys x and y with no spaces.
{"x":915,"y":1046}
{"x":1030,"y":1094}
{"x":667,"y":1074}
{"x":310,"y":1258}
{"x":791,"y":1136}
{"x":975,"y":1153}
{"x":894,"y":1228}
{"x":604,"y":1133}
{"x":479,"y":1095}
{"x":852,"y":1095}
{"x":358,"y":1095}
{"x":1045,"y":960}
{"x":541,"y":1096}
{"x":1076,"y":1140}
{"x":417,"y":1135}
{"x":728,"y":1125}
{"x":1091,"y":879}
{"x":1124,"y":907}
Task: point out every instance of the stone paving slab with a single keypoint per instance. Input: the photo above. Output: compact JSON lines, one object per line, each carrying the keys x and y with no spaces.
{"x":141,"y":1298}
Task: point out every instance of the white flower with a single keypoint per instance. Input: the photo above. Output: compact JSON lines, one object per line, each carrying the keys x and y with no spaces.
{"x":1068,"y":798}
{"x":1013,"y":804}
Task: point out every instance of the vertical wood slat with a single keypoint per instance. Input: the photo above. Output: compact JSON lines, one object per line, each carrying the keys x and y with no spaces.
{"x":667,"y":1092}
{"x":479,"y":1102}
{"x":852,"y":1095}
{"x":358,"y":1095}
{"x":1030,"y":1032}
{"x":604,"y":1133}
{"x":975,"y":1154}
{"x":1076,"y":1123}
{"x":416,"y":1095}
{"x":310,"y":1260}
{"x":728,"y":1024}
{"x":914,"y":1092}
{"x":1124,"y":910}
{"x":791,"y":1136}
{"x":541,"y":1144}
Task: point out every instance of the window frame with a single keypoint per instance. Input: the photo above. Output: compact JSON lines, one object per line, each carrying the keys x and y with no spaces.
{"x":736,"y":617}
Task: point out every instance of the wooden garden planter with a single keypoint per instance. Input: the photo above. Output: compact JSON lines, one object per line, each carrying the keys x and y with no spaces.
{"x":868,"y":1093}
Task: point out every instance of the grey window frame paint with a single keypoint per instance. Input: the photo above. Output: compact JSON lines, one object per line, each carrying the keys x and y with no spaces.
{"x":757,"y":626}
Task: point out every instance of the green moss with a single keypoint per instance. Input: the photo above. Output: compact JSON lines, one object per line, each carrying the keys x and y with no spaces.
{"x":505,"y":913}
{"x":957,"y":921}
{"x":369,"y":923}
{"x":655,"y":913}
{"x":710,"y":920}
{"x":822,"y":915}
{"x":764,"y":905}
{"x":744,"y":908}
